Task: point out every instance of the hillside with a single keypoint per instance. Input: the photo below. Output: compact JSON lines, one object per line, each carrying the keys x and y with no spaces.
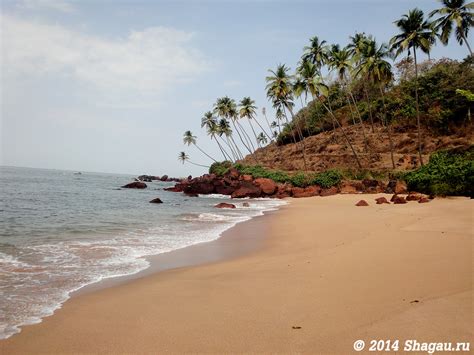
{"x":329,"y":150}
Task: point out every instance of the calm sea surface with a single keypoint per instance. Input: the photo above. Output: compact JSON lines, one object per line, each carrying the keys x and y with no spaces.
{"x":60,"y":231}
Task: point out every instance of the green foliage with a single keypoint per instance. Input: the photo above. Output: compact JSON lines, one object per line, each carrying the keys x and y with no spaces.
{"x":220,"y":168}
{"x":327,"y":178}
{"x":447,"y":173}
{"x":259,"y":172}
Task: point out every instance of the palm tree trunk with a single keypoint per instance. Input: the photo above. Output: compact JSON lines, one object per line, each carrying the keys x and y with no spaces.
{"x":343,"y":133}
{"x":301,"y":137}
{"x":248,"y":140}
{"x":203,"y":166}
{"x":227,"y":141}
{"x":418,"y":123}
{"x":240,"y":136}
{"x":369,"y":105}
{"x":226,"y":157}
{"x":265,"y":132}
{"x":467,"y":44}
{"x":254,"y":133}
{"x":389,"y":129}
{"x":203,"y":152}
{"x":237,"y":149}
{"x":268,"y":123}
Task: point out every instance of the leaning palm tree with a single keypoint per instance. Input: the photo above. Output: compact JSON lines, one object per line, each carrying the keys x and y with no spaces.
{"x":375,"y":67}
{"x":184,"y":158}
{"x":226,"y":108}
{"x":248,"y":110}
{"x":226,"y":131}
{"x":210,"y":122}
{"x":457,"y":13}
{"x":280,"y":91}
{"x":340,"y":61}
{"x":262,"y":139}
{"x":189,"y":139}
{"x":415,"y":33}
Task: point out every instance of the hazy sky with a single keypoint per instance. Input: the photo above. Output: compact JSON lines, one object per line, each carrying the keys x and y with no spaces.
{"x":111,"y":86}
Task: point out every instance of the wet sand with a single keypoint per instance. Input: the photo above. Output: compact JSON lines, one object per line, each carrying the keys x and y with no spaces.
{"x":325,"y":274}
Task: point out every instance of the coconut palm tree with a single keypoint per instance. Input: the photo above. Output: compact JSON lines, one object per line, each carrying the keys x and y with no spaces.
{"x":225,"y":130}
{"x":356,"y":48}
{"x":457,"y":13}
{"x":226,"y":108}
{"x":262,"y":139}
{"x":415,"y":33}
{"x":279,"y":90}
{"x":316,"y":52}
{"x":340,"y":61}
{"x":210,"y":122}
{"x":374,"y":65}
{"x":189,"y":139}
{"x":248,"y":110}
{"x":183,"y":158}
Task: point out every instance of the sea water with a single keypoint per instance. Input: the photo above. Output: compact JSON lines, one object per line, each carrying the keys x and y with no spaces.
{"x":61,"y":231}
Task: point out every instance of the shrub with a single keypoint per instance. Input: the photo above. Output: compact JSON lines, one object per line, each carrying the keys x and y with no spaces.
{"x":327,"y":178}
{"x":447,"y":173}
{"x":220,"y":168}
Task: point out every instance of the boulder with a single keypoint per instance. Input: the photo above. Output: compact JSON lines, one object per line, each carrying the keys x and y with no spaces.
{"x":399,"y":200}
{"x":283,"y":191}
{"x":246,"y":204}
{"x":381,"y":200}
{"x":199,"y":187}
{"x":328,"y":192}
{"x":362,"y":203}
{"x":268,"y":186}
{"x":393,"y":197}
{"x":414,"y":196}
{"x":224,"y":205}
{"x":246,"y":177}
{"x":298,"y":192}
{"x":348,"y":187}
{"x":191,"y":194}
{"x":156,"y":200}
{"x":232,"y":173}
{"x":225,"y":190}
{"x":247,"y":189}
{"x":400,"y":187}
{"x":424,"y":200}
{"x":176,"y":188}
{"x":164,"y":178}
{"x":190,"y":177}
{"x":135,"y":185}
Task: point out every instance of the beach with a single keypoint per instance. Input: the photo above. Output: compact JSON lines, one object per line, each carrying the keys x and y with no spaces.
{"x":321,"y":274}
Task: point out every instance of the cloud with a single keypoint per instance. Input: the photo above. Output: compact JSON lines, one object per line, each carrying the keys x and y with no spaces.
{"x":142,"y":64}
{"x":57,"y":5}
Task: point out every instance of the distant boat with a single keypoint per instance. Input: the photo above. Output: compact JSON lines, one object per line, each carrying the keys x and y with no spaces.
{"x":78,"y":173}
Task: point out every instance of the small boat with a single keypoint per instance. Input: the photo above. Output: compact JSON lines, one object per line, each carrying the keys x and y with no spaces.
{"x":78,"y":173}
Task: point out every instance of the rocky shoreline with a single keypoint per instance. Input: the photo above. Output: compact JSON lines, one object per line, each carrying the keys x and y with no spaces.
{"x":237,"y":185}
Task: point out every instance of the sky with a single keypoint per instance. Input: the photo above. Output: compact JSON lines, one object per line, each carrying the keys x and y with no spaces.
{"x":110,"y":86}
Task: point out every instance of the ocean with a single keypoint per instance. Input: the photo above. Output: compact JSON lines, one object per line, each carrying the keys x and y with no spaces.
{"x":61,"y":231}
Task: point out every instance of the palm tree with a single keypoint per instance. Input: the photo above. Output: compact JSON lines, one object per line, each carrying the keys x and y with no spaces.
{"x":279,"y":90}
{"x":248,"y":110}
{"x":264,"y":113}
{"x":458,"y":13}
{"x":262,"y":139}
{"x":374,"y":66}
{"x":316,"y":52}
{"x":189,"y":139}
{"x":356,"y":49}
{"x":183,"y":157}
{"x":226,"y":108}
{"x":224,"y":129}
{"x":415,"y":33}
{"x":210,"y":122}
{"x":340,"y":61}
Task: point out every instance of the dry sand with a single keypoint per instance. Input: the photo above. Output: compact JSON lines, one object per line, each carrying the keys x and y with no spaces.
{"x":339,"y":272}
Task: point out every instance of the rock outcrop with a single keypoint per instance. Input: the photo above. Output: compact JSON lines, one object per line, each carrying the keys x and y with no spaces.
{"x":362,"y":203}
{"x":224,"y":205}
{"x":135,"y":185}
{"x":156,"y":200}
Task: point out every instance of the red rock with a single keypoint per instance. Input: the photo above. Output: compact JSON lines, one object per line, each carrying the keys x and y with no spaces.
{"x":400,"y":187}
{"x":348,"y":187}
{"x":362,"y":203}
{"x":135,"y":185}
{"x":192,"y":194}
{"x":164,"y":178}
{"x":247,"y":189}
{"x":328,"y":192}
{"x":224,"y":205}
{"x":381,"y":200}
{"x":283,"y":190}
{"x":424,"y":200}
{"x":156,"y":200}
{"x":398,"y":200}
{"x":246,"y":177}
{"x":413,"y":196}
{"x":268,"y":186}
{"x":393,"y":197}
{"x":176,"y":188}
{"x":233,"y":173}
{"x":299,"y":192}
{"x":199,"y":187}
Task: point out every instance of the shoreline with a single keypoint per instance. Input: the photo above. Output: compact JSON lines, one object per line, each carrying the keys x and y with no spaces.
{"x":227,"y":246}
{"x":327,"y":273}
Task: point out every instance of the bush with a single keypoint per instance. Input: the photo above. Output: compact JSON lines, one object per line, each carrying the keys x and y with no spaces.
{"x":447,"y":173}
{"x":327,"y":178}
{"x":220,"y":168}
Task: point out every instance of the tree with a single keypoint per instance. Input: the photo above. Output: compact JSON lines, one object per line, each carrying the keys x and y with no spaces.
{"x":262,"y":139}
{"x":279,"y":90}
{"x":183,"y":157}
{"x":457,"y":13}
{"x":375,"y":67}
{"x":210,"y":122}
{"x":189,"y":139}
{"x":248,"y":110}
{"x":415,"y":33}
{"x":316,"y":52}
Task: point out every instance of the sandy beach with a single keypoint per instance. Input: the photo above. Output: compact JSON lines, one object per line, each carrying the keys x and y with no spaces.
{"x":325,"y":274}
